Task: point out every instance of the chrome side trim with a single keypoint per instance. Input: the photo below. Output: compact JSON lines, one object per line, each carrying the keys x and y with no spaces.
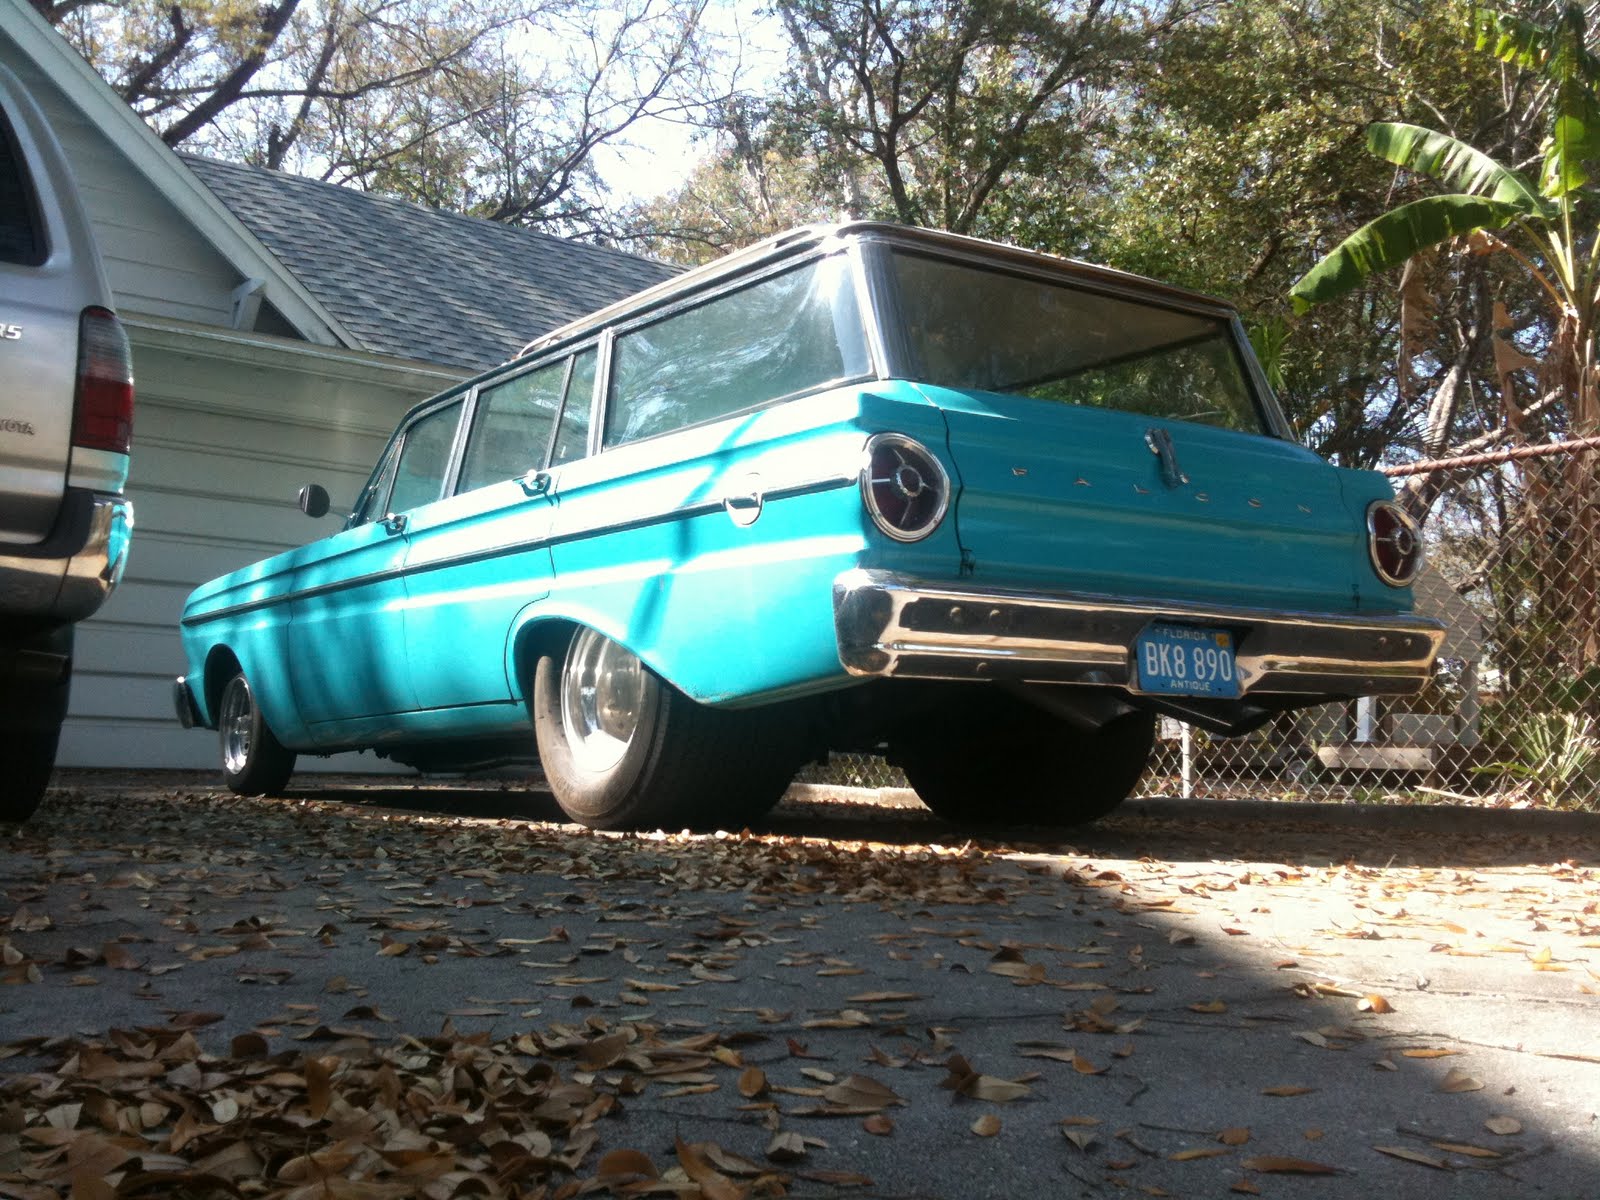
{"x":699,"y":508}
{"x":887,"y":625}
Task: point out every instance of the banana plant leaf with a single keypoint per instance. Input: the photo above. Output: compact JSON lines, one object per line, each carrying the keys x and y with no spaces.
{"x":1395,"y":237}
{"x":1454,"y":163}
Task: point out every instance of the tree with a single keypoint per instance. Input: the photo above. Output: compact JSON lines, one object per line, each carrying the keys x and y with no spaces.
{"x":927,"y":112}
{"x":496,"y":107}
{"x":1545,"y":232}
{"x":1495,"y":209}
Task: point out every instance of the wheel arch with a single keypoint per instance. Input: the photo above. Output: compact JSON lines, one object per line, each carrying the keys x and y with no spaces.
{"x":222,"y":664}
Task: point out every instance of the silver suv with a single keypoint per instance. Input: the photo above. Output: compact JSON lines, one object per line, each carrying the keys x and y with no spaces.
{"x":66,"y":416}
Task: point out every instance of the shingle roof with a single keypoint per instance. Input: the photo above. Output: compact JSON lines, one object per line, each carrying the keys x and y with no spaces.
{"x":418,"y":283}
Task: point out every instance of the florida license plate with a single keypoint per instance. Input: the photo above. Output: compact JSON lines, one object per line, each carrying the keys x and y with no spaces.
{"x":1185,"y":660}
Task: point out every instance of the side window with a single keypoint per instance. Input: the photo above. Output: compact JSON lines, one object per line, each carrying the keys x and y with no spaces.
{"x":512,"y":428}
{"x":424,"y":459}
{"x":572,"y":439}
{"x":789,"y":333}
{"x":20,"y":239}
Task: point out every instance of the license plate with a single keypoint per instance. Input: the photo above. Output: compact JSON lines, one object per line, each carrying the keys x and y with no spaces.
{"x":1185,"y":660}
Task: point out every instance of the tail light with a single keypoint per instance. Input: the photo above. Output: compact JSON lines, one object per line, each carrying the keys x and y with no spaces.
{"x":1395,"y":542}
{"x":103,"y":417}
{"x":904,"y":487}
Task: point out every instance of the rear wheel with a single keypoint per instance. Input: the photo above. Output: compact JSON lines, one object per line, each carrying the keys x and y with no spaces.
{"x":623,"y":749}
{"x":32,"y":710}
{"x":254,"y":762}
{"x":26,"y":760}
{"x":1003,"y":760}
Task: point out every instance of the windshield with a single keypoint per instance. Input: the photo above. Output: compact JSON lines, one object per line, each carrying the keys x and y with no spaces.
{"x":983,"y":329}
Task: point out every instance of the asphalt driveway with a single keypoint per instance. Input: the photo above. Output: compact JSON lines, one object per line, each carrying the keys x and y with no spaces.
{"x":373,"y":989}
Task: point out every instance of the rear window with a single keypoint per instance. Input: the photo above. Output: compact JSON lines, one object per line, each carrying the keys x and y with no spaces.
{"x":988,"y":330}
{"x":20,"y":238}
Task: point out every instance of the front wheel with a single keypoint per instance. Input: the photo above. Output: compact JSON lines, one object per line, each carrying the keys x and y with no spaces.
{"x":623,"y":749}
{"x":1007,"y":761}
{"x":254,"y":762}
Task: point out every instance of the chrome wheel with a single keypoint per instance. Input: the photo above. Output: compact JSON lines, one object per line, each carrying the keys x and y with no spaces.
{"x":235,"y":721}
{"x":602,"y":694}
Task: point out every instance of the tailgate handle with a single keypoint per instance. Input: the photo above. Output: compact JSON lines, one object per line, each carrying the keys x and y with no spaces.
{"x":1160,"y":443}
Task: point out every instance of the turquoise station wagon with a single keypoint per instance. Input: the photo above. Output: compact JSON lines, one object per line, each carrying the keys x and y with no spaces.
{"x":860,"y":487}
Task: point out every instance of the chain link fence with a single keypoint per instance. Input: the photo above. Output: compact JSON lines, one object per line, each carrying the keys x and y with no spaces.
{"x":1512,"y":716}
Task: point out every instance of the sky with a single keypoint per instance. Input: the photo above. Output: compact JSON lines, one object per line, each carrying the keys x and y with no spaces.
{"x":659,"y":155}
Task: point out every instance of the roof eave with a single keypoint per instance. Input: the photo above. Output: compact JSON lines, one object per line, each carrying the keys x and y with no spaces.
{"x":160,"y":164}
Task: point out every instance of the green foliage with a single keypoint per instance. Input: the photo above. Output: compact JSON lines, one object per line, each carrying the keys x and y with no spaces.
{"x":1556,"y":758}
{"x":1395,"y":237}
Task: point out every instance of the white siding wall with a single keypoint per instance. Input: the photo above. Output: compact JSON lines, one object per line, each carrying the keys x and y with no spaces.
{"x":155,"y":261}
{"x":225,"y":432}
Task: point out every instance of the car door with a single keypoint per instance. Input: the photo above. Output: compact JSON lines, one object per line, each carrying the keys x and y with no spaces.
{"x":480,"y":557}
{"x":347,"y":636}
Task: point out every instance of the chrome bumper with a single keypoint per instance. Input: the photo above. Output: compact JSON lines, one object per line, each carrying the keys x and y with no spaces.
{"x":890,"y":626}
{"x":68,"y":576}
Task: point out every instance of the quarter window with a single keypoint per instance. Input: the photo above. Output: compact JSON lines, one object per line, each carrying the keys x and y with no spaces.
{"x":372,"y":502}
{"x":572,"y":439}
{"x":790,"y":333}
{"x":424,"y":459}
{"x":511,"y":431}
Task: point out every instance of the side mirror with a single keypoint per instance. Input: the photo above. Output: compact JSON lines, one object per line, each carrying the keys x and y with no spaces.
{"x":314,"y":500}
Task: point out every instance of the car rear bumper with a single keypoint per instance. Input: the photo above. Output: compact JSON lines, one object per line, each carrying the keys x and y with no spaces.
{"x":183,"y":702}
{"x":888,"y":625}
{"x":68,"y":576}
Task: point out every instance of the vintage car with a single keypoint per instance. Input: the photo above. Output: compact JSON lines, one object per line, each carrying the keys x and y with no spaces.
{"x":860,"y":487}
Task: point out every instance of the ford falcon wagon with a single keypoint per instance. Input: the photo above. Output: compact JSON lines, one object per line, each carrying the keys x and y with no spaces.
{"x":985,"y":511}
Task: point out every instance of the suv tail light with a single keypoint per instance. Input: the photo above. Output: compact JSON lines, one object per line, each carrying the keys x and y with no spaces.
{"x":103,"y":416}
{"x":1395,"y":543}
{"x":904,"y":487}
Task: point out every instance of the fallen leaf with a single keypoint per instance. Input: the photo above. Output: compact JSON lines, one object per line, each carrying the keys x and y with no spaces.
{"x":1210,"y":1006}
{"x":1278,"y":1165}
{"x":987,"y":1125}
{"x":626,"y":1164}
{"x":786,"y":1147}
{"x":1287,"y":1090}
{"x":1428,"y":1052}
{"x":1374,"y":1003}
{"x":1504,"y":1126}
{"x":1467,"y":1149}
{"x":1197,"y":1152}
{"x":1459,"y":1081}
{"x":1416,"y":1156}
{"x":1236,"y":1136}
{"x":878,"y":1124}
{"x":861,"y":1091}
{"x":752,"y":1083}
{"x":1081,"y":1138}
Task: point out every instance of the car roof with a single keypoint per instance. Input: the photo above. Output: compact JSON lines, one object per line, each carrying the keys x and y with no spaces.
{"x":796,"y":242}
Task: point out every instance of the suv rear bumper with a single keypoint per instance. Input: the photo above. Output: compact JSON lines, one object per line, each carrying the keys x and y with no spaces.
{"x":68,"y":576}
{"x":888,"y":625}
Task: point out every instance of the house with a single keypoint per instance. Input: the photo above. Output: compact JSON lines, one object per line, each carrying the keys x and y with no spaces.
{"x":280,"y":328}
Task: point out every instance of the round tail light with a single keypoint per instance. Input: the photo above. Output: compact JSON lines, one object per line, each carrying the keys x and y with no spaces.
{"x":1395,"y":542}
{"x":904,"y":487}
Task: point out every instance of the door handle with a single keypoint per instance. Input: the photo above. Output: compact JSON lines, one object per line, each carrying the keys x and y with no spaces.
{"x":394,"y":523}
{"x":1160,"y":443}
